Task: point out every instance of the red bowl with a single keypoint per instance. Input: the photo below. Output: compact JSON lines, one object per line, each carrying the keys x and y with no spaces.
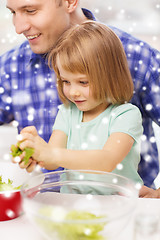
{"x":11,"y":201}
{"x":10,"y":205}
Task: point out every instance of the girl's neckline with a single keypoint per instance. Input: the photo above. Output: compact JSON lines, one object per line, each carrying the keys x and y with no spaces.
{"x":97,"y":117}
{"x":92,"y":114}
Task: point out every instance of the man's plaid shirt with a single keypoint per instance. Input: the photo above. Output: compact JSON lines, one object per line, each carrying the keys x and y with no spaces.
{"x":28,"y":93}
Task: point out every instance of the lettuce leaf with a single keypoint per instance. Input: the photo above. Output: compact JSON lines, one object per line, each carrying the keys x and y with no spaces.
{"x":16,"y":151}
{"x":71,"y":231}
{"x":7,"y":186}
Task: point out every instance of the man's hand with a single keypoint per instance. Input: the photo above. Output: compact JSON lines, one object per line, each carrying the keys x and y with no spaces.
{"x":146,"y":192}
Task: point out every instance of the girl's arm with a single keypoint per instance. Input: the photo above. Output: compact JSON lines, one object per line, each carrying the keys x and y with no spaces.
{"x":114,"y":151}
{"x":54,"y":154}
{"x":58,"y":139}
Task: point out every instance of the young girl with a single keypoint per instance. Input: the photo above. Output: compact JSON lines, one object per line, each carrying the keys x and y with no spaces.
{"x":95,"y":128}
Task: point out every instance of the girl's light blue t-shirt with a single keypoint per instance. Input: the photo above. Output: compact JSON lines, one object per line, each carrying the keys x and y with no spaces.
{"x":124,"y":118}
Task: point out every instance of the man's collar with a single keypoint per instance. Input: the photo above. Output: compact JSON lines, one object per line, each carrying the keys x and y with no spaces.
{"x":35,"y":58}
{"x":88,"y":14}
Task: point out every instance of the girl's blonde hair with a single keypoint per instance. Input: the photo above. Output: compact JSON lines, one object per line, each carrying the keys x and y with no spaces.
{"x":93,"y":49}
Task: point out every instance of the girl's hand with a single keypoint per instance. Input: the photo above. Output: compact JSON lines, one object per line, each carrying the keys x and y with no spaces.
{"x":30,"y":138}
{"x":29,"y":166}
{"x":44,"y":154}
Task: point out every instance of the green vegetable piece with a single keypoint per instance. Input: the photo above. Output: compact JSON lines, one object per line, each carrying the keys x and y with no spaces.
{"x":7,"y":186}
{"x":28,"y":153}
{"x":71,"y":231}
{"x":16,"y":151}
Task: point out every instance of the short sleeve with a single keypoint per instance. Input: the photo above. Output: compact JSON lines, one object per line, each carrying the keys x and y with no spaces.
{"x":62,"y":119}
{"x":127,"y":118}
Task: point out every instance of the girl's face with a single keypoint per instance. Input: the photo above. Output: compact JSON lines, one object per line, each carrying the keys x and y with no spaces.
{"x":77,"y":90}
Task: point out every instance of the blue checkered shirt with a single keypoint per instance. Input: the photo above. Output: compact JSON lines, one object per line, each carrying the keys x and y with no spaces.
{"x":28,"y":93}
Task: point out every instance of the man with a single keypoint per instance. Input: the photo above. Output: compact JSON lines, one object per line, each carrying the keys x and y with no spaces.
{"x":28,"y":89}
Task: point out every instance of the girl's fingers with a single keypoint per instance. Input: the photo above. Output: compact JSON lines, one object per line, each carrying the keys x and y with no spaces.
{"x":18,"y":159}
{"x":24,"y":165}
{"x":31,"y":166}
{"x":27,"y":133}
{"x":41,"y":164}
{"x":31,"y":129}
{"x":26,"y":143}
{"x":24,"y":136}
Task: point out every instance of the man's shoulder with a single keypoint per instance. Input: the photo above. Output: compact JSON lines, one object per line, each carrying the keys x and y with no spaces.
{"x":129,"y":40}
{"x":138,"y":51}
{"x":17,"y":51}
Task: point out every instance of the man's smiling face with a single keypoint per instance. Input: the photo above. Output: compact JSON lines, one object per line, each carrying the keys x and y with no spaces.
{"x":40,"y":21}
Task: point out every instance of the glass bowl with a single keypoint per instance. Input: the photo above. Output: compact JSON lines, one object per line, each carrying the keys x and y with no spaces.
{"x":79,"y":205}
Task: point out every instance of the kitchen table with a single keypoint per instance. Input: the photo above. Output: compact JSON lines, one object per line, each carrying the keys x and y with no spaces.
{"x":21,"y":228}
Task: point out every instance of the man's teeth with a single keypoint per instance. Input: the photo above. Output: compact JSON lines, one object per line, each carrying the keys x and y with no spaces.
{"x":33,"y":36}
